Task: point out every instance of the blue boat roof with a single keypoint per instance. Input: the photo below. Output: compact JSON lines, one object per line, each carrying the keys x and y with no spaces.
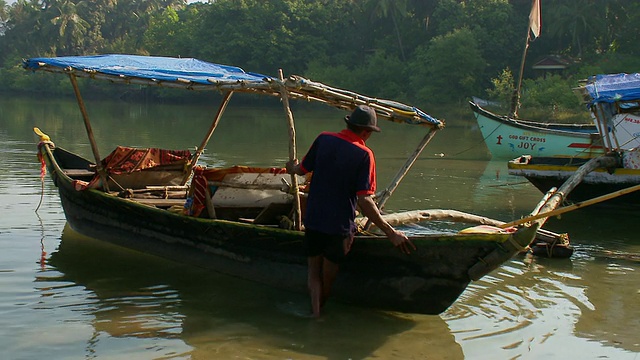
{"x":194,"y":74}
{"x":613,"y":87}
{"x":150,"y":67}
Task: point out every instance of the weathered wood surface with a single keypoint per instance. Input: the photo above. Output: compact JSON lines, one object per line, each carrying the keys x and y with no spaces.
{"x":415,"y":216}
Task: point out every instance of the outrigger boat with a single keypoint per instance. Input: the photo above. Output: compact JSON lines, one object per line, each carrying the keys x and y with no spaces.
{"x":614,"y":103}
{"x":245,"y":221}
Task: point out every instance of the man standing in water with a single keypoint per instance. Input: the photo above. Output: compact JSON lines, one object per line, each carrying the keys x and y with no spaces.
{"x":344,"y":176}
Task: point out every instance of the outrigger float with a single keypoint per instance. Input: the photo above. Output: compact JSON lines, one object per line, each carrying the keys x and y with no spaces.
{"x":246,"y":221}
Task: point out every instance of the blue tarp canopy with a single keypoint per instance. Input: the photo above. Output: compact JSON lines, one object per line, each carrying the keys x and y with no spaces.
{"x":154,"y":68}
{"x":194,"y":74}
{"x":613,"y":88}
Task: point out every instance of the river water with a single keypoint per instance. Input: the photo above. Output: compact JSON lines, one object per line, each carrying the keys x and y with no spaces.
{"x":63,"y":296}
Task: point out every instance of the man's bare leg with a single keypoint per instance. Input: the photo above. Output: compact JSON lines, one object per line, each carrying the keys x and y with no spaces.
{"x":314,"y":283}
{"x":329,"y":274}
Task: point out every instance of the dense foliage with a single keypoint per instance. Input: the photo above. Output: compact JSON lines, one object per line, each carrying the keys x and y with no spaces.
{"x":423,"y":51}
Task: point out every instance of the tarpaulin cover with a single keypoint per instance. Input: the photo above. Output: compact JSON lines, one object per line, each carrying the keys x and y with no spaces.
{"x":150,"y":67}
{"x":614,"y":87}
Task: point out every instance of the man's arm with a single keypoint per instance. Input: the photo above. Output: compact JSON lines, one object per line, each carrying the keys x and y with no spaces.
{"x":398,"y":238}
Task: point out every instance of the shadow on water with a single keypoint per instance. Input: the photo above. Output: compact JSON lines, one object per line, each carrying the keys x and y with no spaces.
{"x":140,"y":296}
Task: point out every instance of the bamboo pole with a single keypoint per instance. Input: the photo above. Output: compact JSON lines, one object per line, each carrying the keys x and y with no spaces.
{"x":545,"y":198}
{"x":405,"y":169}
{"x":92,"y":140}
{"x":297,"y":215}
{"x":575,"y":206}
{"x":212,"y":128}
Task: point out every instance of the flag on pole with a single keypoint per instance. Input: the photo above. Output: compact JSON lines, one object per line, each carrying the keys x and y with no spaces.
{"x":535,"y":23}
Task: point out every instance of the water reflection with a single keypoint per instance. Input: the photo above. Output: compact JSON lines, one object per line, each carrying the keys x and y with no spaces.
{"x":131,"y":295}
{"x":113,"y":303}
{"x":533,"y":304}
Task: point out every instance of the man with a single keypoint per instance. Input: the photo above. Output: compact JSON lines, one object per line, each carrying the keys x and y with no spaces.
{"x":344,"y":176}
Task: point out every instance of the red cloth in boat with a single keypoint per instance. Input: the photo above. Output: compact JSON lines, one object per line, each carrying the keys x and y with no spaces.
{"x":127,"y":159}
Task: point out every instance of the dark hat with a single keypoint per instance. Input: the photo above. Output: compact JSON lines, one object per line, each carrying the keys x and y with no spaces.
{"x":364,"y":117}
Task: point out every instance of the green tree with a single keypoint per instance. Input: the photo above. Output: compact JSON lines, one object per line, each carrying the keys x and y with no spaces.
{"x":265,"y":35}
{"x":502,"y":87}
{"x":451,"y":68}
{"x":4,"y":13}
{"x":623,"y":19}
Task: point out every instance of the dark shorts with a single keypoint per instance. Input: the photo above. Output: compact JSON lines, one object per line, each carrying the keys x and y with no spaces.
{"x":329,"y":246}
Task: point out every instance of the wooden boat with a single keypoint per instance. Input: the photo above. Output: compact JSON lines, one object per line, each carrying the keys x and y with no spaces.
{"x":245,"y":221}
{"x":508,"y":137}
{"x":614,"y":102}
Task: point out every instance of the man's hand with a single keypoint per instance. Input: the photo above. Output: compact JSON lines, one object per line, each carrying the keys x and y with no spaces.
{"x":401,"y":241}
{"x":293,"y":167}
{"x":398,"y":238}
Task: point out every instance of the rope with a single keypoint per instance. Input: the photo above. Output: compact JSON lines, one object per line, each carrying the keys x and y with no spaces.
{"x":43,"y":172}
{"x":41,"y":194}
{"x":517,"y":245}
{"x":478,"y":143}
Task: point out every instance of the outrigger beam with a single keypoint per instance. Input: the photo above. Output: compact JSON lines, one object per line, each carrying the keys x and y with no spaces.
{"x":205,"y":141}
{"x":92,"y":140}
{"x":405,"y":169}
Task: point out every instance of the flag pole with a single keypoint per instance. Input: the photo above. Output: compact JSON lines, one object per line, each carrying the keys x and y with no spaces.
{"x":534,"y":27}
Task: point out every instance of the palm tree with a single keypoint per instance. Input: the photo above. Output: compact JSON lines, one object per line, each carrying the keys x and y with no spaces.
{"x":3,"y":16}
{"x":390,"y":9}
{"x":575,"y":22}
{"x":71,"y":27}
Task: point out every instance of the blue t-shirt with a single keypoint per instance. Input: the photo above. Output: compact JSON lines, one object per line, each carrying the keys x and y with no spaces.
{"x":343,"y":168}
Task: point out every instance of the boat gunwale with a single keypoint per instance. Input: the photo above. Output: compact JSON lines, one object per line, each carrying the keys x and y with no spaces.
{"x":535,"y":126}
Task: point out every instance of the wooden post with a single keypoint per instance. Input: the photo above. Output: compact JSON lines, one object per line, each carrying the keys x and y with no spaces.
{"x":92,"y":140}
{"x":603,"y":128}
{"x":297,"y":221}
{"x":212,"y":128}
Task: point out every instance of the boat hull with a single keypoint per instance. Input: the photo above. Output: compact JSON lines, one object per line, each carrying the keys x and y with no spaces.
{"x":547,"y":172}
{"x":507,"y":138}
{"x":375,"y":274}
